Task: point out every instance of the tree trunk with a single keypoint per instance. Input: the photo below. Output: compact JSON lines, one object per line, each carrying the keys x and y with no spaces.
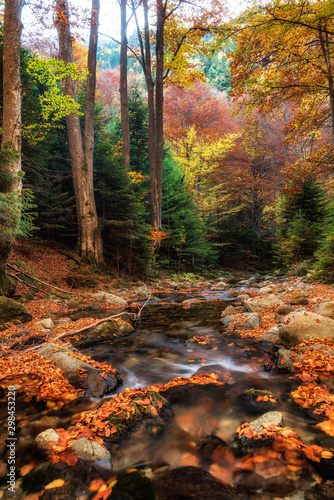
{"x":151,"y":120}
{"x":159,"y":103}
{"x":124,"y":87}
{"x":11,"y":125}
{"x":89,"y":235}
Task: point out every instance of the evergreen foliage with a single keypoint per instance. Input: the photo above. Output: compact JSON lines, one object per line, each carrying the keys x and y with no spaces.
{"x":302,"y":212}
{"x":186,"y":245}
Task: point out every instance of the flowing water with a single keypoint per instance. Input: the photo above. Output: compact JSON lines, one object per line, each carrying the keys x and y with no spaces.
{"x":199,"y":424}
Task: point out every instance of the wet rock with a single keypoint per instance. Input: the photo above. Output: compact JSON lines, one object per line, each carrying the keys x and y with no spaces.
{"x":44,"y":324}
{"x":229,"y":311}
{"x":110,"y":298}
{"x":257,"y":426}
{"x":133,"y":486}
{"x":206,"y":447}
{"x":326,"y":309}
{"x":258,"y":304}
{"x":80,"y":374}
{"x":284,"y":310}
{"x":11,"y":310}
{"x":46,"y":440}
{"x":301,"y":325}
{"x":191,"y":483}
{"x":244,"y":321}
{"x":272,"y":335}
{"x":249,"y":404}
{"x":139,"y":412}
{"x":284,"y":360}
{"x":325,"y":468}
{"x":279,"y":483}
{"x":321,"y":491}
{"x":247,"y":481}
{"x":105,"y":331}
{"x":93,"y":452}
{"x":223,"y":375}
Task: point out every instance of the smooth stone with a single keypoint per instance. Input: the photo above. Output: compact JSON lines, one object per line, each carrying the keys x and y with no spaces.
{"x":258,"y":304}
{"x":46,"y":440}
{"x":44,"y":324}
{"x":245,"y":321}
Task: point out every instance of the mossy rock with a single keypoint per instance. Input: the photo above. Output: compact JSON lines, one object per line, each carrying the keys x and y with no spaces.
{"x":109,"y":330}
{"x":125,"y":423}
{"x":37,"y":479}
{"x":133,"y":486}
{"x":11,"y":310}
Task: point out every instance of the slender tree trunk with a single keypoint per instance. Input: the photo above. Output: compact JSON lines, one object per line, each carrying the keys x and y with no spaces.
{"x":151,"y":121}
{"x":11,"y":125}
{"x":89,"y":235}
{"x":124,"y":86}
{"x":159,"y":103}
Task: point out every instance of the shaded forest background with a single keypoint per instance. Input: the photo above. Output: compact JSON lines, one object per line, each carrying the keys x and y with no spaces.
{"x":247,"y":169}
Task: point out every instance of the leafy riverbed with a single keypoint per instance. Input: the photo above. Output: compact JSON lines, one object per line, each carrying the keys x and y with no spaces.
{"x":180,"y":335}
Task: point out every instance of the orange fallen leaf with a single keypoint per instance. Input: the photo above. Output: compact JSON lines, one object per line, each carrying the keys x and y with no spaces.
{"x":154,"y":411}
{"x":96,"y":484}
{"x":327,"y":426}
{"x":27,"y":468}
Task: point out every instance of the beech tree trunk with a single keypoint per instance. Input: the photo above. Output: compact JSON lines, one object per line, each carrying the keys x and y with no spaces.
{"x":124,"y":86}
{"x":11,"y":125}
{"x":89,"y":235}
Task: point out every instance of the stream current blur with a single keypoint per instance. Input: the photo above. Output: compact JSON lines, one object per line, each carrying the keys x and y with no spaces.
{"x":161,"y":349}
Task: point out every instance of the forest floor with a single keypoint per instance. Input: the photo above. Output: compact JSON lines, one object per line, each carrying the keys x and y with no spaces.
{"x":58,"y":282}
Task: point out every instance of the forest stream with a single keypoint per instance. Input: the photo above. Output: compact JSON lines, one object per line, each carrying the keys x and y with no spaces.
{"x":179,"y":339}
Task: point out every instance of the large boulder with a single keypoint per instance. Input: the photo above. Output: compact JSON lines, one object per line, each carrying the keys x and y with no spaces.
{"x":105,"y":331}
{"x":258,"y":304}
{"x":11,"y":310}
{"x":80,"y":374}
{"x":303,"y":325}
{"x":243,"y":321}
{"x":326,"y":309}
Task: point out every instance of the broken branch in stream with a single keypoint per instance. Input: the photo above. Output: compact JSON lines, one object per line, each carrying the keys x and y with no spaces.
{"x":133,"y":316}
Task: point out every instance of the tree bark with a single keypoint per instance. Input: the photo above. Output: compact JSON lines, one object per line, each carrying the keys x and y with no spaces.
{"x":151,"y":119}
{"x":159,"y":104}
{"x":89,"y":235}
{"x":124,"y":87}
{"x":11,"y":125}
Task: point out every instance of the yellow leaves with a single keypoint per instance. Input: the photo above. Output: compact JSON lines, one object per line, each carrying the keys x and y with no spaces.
{"x":137,"y":177}
{"x":57,"y":483}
